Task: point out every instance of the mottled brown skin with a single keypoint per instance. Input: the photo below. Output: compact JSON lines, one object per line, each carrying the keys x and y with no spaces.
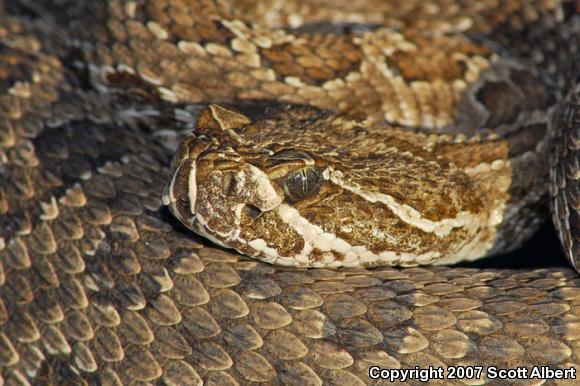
{"x":99,"y":285}
{"x":426,"y":172}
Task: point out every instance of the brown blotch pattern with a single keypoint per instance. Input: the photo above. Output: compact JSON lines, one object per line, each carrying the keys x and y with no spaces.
{"x":99,"y":286}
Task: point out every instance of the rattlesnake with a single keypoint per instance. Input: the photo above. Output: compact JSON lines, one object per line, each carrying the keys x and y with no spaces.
{"x":99,"y":284}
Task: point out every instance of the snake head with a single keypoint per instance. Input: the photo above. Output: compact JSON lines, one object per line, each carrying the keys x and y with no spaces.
{"x":231,"y":191}
{"x":212,"y":190}
{"x":297,"y":186}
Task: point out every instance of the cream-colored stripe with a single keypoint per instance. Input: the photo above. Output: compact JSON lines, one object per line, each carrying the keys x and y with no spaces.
{"x":405,"y":212}
{"x":353,"y":255}
{"x":192,"y":191}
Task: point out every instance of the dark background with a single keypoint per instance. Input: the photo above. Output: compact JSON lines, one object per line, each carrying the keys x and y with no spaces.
{"x":541,"y":251}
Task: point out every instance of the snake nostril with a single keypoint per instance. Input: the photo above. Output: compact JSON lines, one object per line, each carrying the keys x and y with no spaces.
{"x":250,"y":213}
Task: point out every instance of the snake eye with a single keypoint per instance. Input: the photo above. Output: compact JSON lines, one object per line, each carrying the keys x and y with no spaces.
{"x":303,"y":183}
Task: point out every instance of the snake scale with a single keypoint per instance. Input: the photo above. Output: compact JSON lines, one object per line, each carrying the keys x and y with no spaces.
{"x":453,"y":105}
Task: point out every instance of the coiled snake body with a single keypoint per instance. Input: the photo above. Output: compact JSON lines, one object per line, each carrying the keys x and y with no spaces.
{"x":325,"y":134}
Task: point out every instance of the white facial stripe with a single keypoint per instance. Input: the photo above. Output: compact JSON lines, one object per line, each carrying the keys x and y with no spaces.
{"x":314,"y":236}
{"x":257,"y":244}
{"x":261,"y":246}
{"x":192,"y":192}
{"x":166,"y":196}
{"x":406,"y":213}
{"x":486,"y":167}
{"x":238,"y":212}
{"x":267,"y":198}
